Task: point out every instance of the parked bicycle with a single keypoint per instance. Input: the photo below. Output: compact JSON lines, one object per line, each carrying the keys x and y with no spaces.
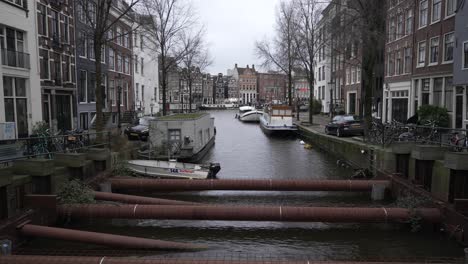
{"x":459,"y":141}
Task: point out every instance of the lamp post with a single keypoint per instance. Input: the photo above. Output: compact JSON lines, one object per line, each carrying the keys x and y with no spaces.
{"x":119,"y":102}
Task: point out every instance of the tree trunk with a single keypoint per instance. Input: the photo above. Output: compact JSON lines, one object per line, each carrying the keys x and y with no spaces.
{"x":164,"y":83}
{"x":290,"y":86}
{"x":311,"y":99}
{"x":190,"y":95}
{"x":98,"y":91}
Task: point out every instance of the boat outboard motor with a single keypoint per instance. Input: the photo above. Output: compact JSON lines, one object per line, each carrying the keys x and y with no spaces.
{"x":214,"y":169}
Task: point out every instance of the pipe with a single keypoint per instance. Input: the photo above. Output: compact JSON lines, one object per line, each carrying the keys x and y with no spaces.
{"x":131,"y":199}
{"x":102,"y":239}
{"x":250,"y":213}
{"x":245,"y":185}
{"x":19,"y":259}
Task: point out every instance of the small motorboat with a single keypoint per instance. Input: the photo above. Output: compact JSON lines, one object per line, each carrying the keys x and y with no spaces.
{"x":251,"y":116}
{"x":173,"y":169}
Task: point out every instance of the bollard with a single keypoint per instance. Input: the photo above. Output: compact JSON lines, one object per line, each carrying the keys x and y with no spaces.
{"x":5,"y":247}
{"x":378,"y":191}
{"x":105,"y":187}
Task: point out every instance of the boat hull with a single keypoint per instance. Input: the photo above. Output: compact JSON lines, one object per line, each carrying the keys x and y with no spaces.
{"x":277,"y":130}
{"x":252,"y":116}
{"x":165,"y":169}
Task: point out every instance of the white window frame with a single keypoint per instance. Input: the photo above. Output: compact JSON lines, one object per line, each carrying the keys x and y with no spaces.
{"x":463,"y":55}
{"x":427,"y":14}
{"x":432,"y":11}
{"x":430,"y":51}
{"x":422,"y":64}
{"x":455,"y":4}
{"x":453,"y":54}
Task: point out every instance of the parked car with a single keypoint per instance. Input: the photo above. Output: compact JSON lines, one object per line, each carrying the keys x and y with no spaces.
{"x":342,"y":125}
{"x":141,"y":130}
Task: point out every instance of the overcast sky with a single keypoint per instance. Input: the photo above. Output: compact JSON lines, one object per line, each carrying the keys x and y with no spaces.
{"x":232,"y":28}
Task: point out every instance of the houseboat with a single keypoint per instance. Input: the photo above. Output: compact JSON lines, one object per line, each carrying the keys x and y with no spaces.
{"x":185,"y":137}
{"x":173,"y":169}
{"x":277,"y":120}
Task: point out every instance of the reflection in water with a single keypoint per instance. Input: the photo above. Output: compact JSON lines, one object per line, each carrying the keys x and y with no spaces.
{"x":245,"y":152}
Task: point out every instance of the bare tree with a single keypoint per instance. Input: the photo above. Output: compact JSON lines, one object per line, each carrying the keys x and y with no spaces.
{"x":195,"y":59}
{"x":308,"y":42}
{"x":169,"y":21}
{"x":100,"y":17}
{"x":363,"y":22}
{"x":281,"y":53}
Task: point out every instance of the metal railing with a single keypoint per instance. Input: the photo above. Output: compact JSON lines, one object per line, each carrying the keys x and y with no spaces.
{"x":46,"y":146}
{"x":389,"y":133}
{"x":15,"y":59}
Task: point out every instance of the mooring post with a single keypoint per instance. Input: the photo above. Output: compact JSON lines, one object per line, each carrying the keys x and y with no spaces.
{"x":5,"y":247}
{"x":378,"y":191}
{"x":105,"y":187}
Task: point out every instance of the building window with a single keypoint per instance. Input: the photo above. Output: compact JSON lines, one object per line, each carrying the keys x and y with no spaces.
{"x":112,"y":92}
{"x":436,"y":10}
{"x":136,"y":63}
{"x":55,"y":25}
{"x":400,"y":32}
{"x":142,"y":67}
{"x":143,"y":93}
{"x":111,"y":59}
{"x":421,"y":54}
{"x":119,"y":63}
{"x":423,"y":9}
{"x":137,"y":90}
{"x":353,"y":74}
{"x":127,"y":64}
{"x":16,"y":105}
{"x":391,"y":64}
{"x":66,"y":68}
{"x":127,"y":39}
{"x":434,"y":57}
{"x":83,"y":87}
{"x":42,"y":19}
{"x":448,"y":47}
{"x":409,"y":21}
{"x":65,"y":29}
{"x":425,"y":91}
{"x":407,"y":60}
{"x":44,"y":63}
{"x":450,"y":7}
{"x":437,"y":92}
{"x":465,"y":55}
{"x":118,"y":36}
{"x":82,"y":49}
{"x":399,"y":65}
{"x":91,"y":54}
{"x":92,"y":88}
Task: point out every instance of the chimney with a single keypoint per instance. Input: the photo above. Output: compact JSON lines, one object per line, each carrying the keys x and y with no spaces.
{"x":235,"y":66}
{"x":247,"y":66}
{"x":253,"y":67}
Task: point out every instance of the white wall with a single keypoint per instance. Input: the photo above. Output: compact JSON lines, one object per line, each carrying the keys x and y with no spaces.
{"x":16,"y":18}
{"x":149,"y":78}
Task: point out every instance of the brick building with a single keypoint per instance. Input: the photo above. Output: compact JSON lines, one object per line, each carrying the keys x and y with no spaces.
{"x":56,"y":45}
{"x":247,"y":83}
{"x":271,"y":86}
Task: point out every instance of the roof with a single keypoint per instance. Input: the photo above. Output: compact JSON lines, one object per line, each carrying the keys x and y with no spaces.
{"x":242,"y":71}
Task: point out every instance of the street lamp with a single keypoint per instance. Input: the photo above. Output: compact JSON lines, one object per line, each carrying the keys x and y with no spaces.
{"x":119,"y":95}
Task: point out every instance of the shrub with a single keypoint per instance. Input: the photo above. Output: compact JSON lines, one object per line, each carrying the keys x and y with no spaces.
{"x":317,"y":106}
{"x":76,"y":192}
{"x":430,"y":114}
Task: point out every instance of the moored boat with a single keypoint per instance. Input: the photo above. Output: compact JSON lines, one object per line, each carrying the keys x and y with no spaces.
{"x":173,"y":169}
{"x":251,"y":116}
{"x":277,"y":120}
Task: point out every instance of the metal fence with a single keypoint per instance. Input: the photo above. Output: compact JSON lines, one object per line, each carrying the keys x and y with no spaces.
{"x":46,"y":146}
{"x":387,"y":134}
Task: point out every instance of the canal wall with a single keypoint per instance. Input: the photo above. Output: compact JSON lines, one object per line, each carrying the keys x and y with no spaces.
{"x":424,"y":171}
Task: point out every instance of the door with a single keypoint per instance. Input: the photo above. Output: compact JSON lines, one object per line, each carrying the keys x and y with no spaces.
{"x":3,"y":203}
{"x":64,"y":114}
{"x":459,"y":111}
{"x":352,"y":103}
{"x":400,"y":110}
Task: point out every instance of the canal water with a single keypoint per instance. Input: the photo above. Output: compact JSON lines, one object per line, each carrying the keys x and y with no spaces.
{"x":244,"y":152}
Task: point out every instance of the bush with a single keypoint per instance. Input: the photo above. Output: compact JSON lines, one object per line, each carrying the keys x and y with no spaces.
{"x":76,"y":192}
{"x":317,"y":106}
{"x":429,"y":114}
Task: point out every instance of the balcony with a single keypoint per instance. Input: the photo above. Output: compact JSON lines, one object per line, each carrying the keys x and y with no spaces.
{"x":15,"y":59}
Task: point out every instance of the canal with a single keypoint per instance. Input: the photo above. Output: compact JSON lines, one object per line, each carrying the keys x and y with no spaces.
{"x":246,"y":153}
